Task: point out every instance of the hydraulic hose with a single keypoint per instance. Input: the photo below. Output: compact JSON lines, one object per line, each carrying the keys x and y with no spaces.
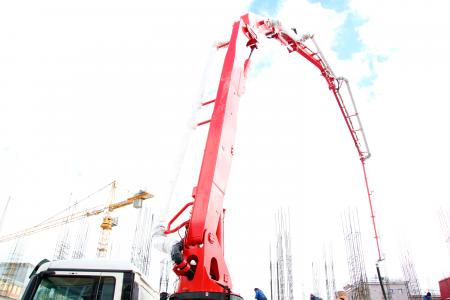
{"x":381,"y":282}
{"x":176,"y":254}
{"x":180,"y":263}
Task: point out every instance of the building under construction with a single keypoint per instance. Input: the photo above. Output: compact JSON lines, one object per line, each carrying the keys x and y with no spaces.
{"x":13,"y":278}
{"x":360,"y":287}
{"x":396,"y":290}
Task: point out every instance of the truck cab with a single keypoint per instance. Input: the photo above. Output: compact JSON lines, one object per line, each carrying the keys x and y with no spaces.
{"x":88,"y":280}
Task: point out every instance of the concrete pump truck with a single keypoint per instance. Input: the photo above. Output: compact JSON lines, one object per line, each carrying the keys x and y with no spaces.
{"x":199,"y":256}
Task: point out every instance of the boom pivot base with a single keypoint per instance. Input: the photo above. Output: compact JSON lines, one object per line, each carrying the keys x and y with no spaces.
{"x":204,"y":295}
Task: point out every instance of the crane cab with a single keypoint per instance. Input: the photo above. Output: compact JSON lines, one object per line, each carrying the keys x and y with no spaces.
{"x":88,"y":279}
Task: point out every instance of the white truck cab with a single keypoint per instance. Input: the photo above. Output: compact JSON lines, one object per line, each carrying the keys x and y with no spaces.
{"x":87,"y":280}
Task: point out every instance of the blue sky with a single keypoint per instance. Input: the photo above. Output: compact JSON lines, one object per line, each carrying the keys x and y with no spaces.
{"x":337,"y":5}
{"x":347,"y":42}
{"x":267,"y":8}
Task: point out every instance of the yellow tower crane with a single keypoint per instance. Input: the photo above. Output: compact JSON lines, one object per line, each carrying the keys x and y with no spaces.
{"x":136,"y":200}
{"x":109,"y":222}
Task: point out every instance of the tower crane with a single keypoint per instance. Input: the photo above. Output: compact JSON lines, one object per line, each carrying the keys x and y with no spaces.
{"x":135,"y":199}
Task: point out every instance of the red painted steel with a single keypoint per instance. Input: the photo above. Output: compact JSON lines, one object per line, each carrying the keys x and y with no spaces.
{"x":203,"y":243}
{"x":169,"y":229}
{"x":203,"y":123}
{"x":444,"y":288}
{"x":208,"y":102}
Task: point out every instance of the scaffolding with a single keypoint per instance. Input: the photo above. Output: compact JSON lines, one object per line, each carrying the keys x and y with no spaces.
{"x":355,"y":257}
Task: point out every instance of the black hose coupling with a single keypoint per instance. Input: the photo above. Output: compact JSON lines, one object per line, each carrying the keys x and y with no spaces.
{"x":182,"y":267}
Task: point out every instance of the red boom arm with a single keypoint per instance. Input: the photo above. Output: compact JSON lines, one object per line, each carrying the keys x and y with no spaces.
{"x":199,"y":258}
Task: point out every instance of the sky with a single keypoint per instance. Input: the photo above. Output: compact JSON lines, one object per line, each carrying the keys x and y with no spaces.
{"x":96,"y":91}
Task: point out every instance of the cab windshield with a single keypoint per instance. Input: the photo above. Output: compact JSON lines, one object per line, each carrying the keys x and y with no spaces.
{"x":75,"y":288}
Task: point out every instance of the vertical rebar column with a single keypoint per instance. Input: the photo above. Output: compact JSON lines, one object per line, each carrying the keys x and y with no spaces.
{"x":164,"y":275}
{"x":274,"y":277}
{"x":287,"y":240}
{"x":410,"y":275}
{"x":5,"y":209}
{"x":444,"y":217}
{"x":142,"y":241}
{"x":333,"y":277}
{"x":330,"y":280}
{"x":316,"y":279}
{"x":81,"y":239}
{"x":284,"y":278}
{"x":280,"y":258}
{"x":327,"y":279}
{"x":355,"y":256}
{"x":62,"y":247}
{"x":271,"y":272}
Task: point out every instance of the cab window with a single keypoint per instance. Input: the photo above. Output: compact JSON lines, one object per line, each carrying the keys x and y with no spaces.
{"x":75,"y":288}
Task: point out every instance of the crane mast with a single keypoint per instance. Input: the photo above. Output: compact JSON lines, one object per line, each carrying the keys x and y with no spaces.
{"x":199,"y":257}
{"x":106,"y":227}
